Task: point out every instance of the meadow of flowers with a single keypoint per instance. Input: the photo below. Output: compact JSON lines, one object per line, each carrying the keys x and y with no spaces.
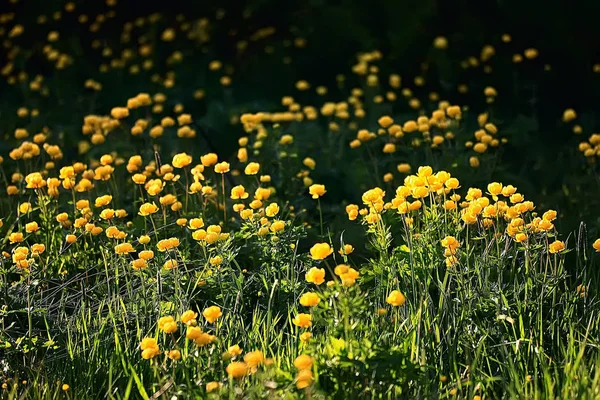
{"x":169,"y":230}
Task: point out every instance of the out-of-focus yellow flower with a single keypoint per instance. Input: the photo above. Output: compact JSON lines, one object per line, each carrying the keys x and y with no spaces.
{"x":254,"y":358}
{"x":237,"y":369}
{"x":303,"y":361}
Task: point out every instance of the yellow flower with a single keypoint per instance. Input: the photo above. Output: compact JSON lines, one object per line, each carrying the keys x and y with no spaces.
{"x":569,"y":115}
{"x":147,"y":209}
{"x":450,"y":243}
{"x":596,"y":245}
{"x":403,"y":168}
{"x":174,"y":354}
{"x":167,"y":324}
{"x":315,"y":275}
{"x":309,"y":299}
{"x":304,"y":379}
{"x":139,"y":263}
{"x":320,"y":251}
{"x":144,"y":239}
{"x":149,"y":348}
{"x":262,"y":194}
{"x":254,"y":358}
{"x":234,"y":350}
{"x":222,"y":167}
{"x":237,"y":369}
{"x":35,"y":181}
{"x":31,"y":227}
{"x":494,"y":189}
{"x":305,"y":337}
{"x":549,"y":215}
{"x":556,"y":246}
{"x":238,"y":192}
{"x":189,"y":317}
{"x":124,"y":248}
{"x":520,"y":237}
{"x":252,"y":168}
{"x":209,"y":159}
{"x":103,"y":200}
{"x":212,"y":386}
{"x":212,"y":313}
{"x":196,"y":223}
{"x":303,"y":361}
{"x":181,"y":160}
{"x":309,"y":163}
{"x":167,"y":244}
{"x":396,"y":298}
{"x":272,"y":210}
{"x":341,"y":269}
{"x":303,"y":320}
{"x":346,"y":250}
{"x":65,"y":387}
{"x":317,"y":191}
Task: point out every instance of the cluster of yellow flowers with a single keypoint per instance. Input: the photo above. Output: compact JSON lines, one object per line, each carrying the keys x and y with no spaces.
{"x":503,"y":206}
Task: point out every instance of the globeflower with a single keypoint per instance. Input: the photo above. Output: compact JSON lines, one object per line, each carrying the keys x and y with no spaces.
{"x":252,"y":168}
{"x":303,"y":361}
{"x":254,"y":358}
{"x":209,"y":159}
{"x":309,"y":299}
{"x":167,"y":324}
{"x":238,"y":192}
{"x":315,"y":275}
{"x":222,"y":167}
{"x":396,"y":298}
{"x":320,"y":251}
{"x":212,"y":313}
{"x":237,"y":369}
{"x":181,"y":160}
{"x":149,"y":348}
{"x":189,"y":317}
{"x":317,"y":191}
{"x":124,"y":248}
{"x":556,"y":246}
{"x":303,"y":320}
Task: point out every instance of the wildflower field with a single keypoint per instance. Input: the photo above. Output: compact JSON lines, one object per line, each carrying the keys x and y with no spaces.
{"x":326,"y":200}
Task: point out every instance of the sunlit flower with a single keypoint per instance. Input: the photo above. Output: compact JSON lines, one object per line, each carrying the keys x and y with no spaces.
{"x":302,"y":320}
{"x":320,"y":251}
{"x":396,"y":298}
{"x":315,"y":275}
{"x":556,"y":246}
{"x":309,"y":299}
{"x":181,"y":160}
{"x":212,"y":313}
